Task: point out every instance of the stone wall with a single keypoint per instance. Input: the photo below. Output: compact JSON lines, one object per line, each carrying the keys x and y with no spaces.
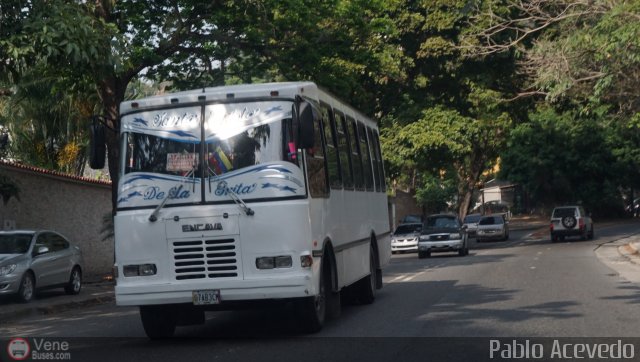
{"x":72,"y":206}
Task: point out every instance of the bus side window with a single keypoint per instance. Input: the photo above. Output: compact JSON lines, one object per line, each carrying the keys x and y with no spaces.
{"x":316,"y":165}
{"x":333,"y":162}
{"x":366,"y":157}
{"x":345,"y":152}
{"x":289,"y":148}
{"x":356,"y":155}
{"x":381,"y":178}
{"x":374,"y":159}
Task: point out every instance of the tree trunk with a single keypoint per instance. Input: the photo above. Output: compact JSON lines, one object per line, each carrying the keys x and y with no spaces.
{"x":112,"y":93}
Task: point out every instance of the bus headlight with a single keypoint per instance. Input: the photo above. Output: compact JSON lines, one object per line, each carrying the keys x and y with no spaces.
{"x":137,"y":270}
{"x":271,"y":262}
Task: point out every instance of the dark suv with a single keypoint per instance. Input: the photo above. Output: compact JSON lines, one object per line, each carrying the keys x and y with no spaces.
{"x":570,"y":221}
{"x":442,"y":232}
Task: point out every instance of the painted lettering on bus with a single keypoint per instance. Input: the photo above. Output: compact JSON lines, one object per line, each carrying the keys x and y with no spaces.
{"x":175,"y":120}
{"x":239,"y":189}
{"x":176,"y":192}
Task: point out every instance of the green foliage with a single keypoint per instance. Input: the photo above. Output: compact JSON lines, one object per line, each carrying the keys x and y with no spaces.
{"x":564,"y":158}
{"x":436,"y":192}
{"x":47,"y":120}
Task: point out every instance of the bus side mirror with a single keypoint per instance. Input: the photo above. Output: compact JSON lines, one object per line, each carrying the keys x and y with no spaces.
{"x":97,"y":146}
{"x":304,"y":119}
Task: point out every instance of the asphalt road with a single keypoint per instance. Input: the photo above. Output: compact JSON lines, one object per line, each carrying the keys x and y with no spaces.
{"x":525,"y":287}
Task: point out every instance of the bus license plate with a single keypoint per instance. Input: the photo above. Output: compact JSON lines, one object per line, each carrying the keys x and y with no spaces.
{"x":204,"y":297}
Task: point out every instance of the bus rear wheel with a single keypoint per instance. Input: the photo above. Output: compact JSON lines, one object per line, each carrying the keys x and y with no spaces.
{"x":157,"y":321}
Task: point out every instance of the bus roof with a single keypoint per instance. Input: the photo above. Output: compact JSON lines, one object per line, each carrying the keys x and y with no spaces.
{"x":261,"y":90}
{"x":243,"y":91}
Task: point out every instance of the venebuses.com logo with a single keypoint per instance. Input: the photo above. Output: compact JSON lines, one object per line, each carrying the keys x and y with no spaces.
{"x":18,"y":349}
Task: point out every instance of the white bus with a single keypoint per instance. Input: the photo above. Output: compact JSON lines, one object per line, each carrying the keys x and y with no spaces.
{"x":247,"y":193}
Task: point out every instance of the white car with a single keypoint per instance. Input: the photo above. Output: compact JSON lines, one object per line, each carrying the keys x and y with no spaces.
{"x":492,"y":227}
{"x":570,"y":221}
{"x":471,"y":223}
{"x":405,"y":237}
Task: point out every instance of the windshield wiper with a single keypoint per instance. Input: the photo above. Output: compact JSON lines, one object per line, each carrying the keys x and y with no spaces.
{"x":154,"y":215}
{"x":241,"y":204}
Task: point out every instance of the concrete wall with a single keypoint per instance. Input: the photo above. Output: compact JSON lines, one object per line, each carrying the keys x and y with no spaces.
{"x":403,"y":203}
{"x":72,"y":206}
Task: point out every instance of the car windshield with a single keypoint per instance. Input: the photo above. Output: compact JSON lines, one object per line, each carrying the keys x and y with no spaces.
{"x":564,"y":212}
{"x":408,"y":228}
{"x":412,"y":218}
{"x":14,"y":243}
{"x":472,"y":218}
{"x":490,"y":220}
{"x":441,"y":222}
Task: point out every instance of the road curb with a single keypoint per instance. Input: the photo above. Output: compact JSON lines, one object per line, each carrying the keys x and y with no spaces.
{"x":55,"y":308}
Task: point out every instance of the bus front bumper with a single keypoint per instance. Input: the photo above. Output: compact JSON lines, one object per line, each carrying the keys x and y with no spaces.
{"x":176,"y":292}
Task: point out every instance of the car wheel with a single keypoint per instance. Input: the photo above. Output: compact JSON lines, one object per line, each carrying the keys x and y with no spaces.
{"x":27,"y":288}
{"x":75,"y":282}
{"x":569,"y":222}
{"x":463,"y":251}
{"x":158,"y":321}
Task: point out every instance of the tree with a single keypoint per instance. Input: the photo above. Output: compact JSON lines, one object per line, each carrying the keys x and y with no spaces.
{"x":447,"y":114}
{"x":565,"y":158}
{"x":193,"y":44}
{"x":581,"y":56}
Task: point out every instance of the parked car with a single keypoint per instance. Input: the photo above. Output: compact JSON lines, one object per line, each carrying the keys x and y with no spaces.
{"x":493,"y":227}
{"x":411,"y":219}
{"x":471,"y":222}
{"x":441,"y":233}
{"x":405,"y":237}
{"x":570,"y":221}
{"x":31,"y":260}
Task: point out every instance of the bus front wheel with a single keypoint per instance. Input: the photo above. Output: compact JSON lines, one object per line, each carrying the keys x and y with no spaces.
{"x":157,"y":321}
{"x":312,"y":311}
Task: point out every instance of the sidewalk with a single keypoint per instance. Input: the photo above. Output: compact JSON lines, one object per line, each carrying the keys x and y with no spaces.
{"x":56,"y":300}
{"x":528,"y":222}
{"x":631,"y":249}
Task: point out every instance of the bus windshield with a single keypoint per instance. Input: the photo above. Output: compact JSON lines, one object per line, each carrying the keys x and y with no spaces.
{"x":236,"y":147}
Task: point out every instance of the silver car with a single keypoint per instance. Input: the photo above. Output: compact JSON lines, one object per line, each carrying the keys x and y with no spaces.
{"x":405,"y":238}
{"x":493,"y":227}
{"x":38,"y":259}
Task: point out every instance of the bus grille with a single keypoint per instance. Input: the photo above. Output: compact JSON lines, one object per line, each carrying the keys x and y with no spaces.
{"x":199,"y":259}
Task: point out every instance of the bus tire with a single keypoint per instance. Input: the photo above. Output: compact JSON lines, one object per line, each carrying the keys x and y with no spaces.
{"x":334,"y":297}
{"x":157,"y":321}
{"x":312,"y":311}
{"x":366,"y":289}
